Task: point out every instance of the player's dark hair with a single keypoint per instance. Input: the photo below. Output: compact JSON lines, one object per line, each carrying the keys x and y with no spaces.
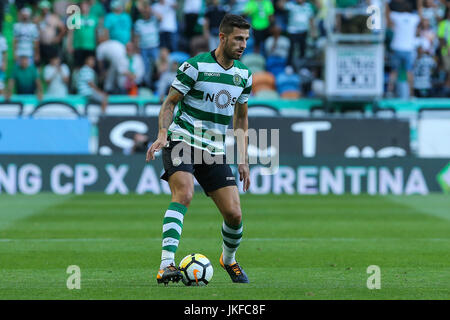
{"x":232,"y":20}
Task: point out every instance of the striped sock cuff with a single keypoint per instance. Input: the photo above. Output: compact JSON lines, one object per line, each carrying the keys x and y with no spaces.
{"x":173,"y":226}
{"x":232,"y":229}
{"x":232,"y":235}
{"x":175,"y":206}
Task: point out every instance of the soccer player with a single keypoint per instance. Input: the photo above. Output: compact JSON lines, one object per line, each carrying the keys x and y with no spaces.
{"x":211,"y":88}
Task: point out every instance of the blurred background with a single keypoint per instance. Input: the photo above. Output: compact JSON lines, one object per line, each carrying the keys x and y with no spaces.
{"x":349,"y":83}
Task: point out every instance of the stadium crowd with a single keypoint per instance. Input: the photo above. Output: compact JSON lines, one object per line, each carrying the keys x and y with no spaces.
{"x":134,"y":47}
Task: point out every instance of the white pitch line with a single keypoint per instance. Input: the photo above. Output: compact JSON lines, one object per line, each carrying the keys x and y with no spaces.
{"x":244,"y":239}
{"x":59,"y":240}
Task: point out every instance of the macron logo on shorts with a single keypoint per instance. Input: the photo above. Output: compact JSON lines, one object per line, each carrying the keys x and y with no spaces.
{"x":231,"y":178}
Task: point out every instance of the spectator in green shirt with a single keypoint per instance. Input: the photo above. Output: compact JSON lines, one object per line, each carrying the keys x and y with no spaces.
{"x":81,"y":42}
{"x":444,"y":42}
{"x":300,"y":24}
{"x":24,"y":79}
{"x":97,"y":10}
{"x":261,"y":14}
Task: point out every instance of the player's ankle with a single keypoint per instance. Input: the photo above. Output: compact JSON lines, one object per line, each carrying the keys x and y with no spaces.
{"x":166,"y":262}
{"x":228,"y":259}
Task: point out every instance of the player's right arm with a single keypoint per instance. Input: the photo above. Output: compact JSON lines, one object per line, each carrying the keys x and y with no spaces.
{"x":165,"y":119}
{"x":185,"y":80}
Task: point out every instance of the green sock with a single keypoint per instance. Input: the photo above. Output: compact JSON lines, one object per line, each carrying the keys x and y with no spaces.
{"x":232,"y":236}
{"x":172,"y":228}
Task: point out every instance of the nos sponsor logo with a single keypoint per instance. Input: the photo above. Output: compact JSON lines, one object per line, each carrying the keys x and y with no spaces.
{"x":222,"y":99}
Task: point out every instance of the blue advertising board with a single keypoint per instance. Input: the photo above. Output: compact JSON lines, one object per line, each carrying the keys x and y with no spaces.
{"x":44,"y":136}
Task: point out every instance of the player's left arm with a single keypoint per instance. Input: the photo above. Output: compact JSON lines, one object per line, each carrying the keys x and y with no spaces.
{"x":240,"y":123}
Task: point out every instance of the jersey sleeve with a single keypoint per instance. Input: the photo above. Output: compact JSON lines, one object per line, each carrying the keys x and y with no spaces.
{"x":187,"y":75}
{"x":243,"y":98}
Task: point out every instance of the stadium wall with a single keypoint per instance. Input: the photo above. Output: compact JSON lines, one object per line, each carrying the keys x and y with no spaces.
{"x":428,"y":118}
{"x":295,"y":135}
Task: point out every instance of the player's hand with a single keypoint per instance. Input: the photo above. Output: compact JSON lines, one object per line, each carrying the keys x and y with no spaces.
{"x":156,"y":146}
{"x":244,"y":175}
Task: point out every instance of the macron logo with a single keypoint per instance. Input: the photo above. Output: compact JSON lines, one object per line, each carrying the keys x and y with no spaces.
{"x":212,"y":74}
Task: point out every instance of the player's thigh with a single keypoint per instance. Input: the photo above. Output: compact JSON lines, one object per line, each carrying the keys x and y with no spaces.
{"x":228,"y":202}
{"x":181,"y":184}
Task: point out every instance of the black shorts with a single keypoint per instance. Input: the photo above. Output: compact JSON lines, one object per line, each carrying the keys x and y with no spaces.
{"x":210,"y":176}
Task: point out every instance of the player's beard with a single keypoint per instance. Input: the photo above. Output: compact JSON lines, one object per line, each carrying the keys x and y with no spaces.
{"x":229,"y":53}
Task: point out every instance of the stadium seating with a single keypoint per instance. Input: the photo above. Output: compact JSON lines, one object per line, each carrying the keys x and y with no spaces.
{"x":93,"y":111}
{"x":255,"y":62}
{"x":267,"y":94}
{"x":250,"y":45}
{"x":179,"y":56}
{"x":11,"y":109}
{"x":275,"y":65}
{"x":263,"y":81}
{"x":288,"y":81}
{"x":291,"y":94}
{"x":434,"y":113}
{"x":55,"y":109}
{"x":262,"y":111}
{"x":198,"y":45}
{"x":152,"y":109}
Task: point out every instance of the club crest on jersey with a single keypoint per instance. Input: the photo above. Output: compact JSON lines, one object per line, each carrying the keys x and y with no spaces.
{"x":237,"y":79}
{"x":186,"y":66}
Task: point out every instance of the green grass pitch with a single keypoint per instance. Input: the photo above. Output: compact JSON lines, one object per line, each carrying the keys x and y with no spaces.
{"x":294,"y":247}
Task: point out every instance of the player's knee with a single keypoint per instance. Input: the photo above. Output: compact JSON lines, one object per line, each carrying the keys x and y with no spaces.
{"x":234,"y":215}
{"x":183,"y":195}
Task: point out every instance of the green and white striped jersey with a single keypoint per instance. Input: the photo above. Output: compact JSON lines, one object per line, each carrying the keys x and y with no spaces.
{"x":210,"y":94}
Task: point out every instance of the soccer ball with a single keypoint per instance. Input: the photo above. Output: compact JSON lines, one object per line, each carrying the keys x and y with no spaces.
{"x":196,"y":269}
